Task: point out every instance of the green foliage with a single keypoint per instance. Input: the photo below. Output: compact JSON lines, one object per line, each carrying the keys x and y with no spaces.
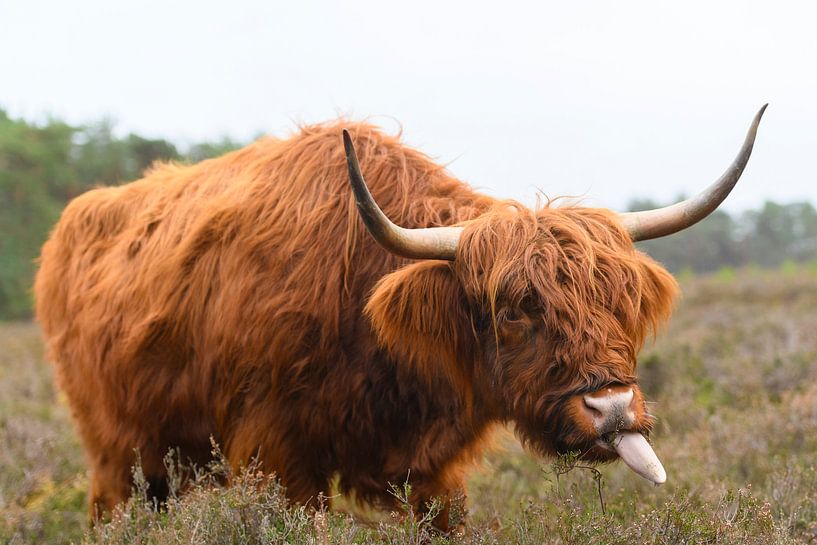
{"x":43,"y":166}
{"x":789,"y":267}
{"x":35,"y":180}
{"x":767,"y":238}
{"x":726,"y":274}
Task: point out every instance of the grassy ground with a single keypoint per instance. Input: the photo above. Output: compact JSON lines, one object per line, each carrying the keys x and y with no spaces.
{"x":734,"y":381}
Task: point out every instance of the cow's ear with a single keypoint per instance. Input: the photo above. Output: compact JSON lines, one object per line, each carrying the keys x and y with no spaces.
{"x":420,"y":315}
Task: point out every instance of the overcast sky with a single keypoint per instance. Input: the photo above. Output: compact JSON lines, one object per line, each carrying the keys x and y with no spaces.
{"x":607,"y":100}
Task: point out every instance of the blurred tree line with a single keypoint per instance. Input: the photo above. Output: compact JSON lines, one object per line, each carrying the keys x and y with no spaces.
{"x":43,"y":166}
{"x":773,"y":235}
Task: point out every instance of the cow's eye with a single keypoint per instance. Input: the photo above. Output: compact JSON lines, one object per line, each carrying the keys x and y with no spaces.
{"x":516,"y":317}
{"x":520,"y":312}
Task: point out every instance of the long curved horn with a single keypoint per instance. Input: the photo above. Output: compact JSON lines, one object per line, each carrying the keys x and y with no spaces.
{"x":671,"y":219}
{"x":425,"y":243}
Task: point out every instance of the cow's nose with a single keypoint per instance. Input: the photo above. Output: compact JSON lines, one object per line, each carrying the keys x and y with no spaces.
{"x":611,"y":409}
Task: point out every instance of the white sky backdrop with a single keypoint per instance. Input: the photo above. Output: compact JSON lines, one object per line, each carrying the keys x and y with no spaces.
{"x":609,"y":100}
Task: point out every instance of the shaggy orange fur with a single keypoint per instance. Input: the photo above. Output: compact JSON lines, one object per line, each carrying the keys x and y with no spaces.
{"x":242,"y":298}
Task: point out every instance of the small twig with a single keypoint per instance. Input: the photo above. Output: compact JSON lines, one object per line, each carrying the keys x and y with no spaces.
{"x":597,"y":476}
{"x":567,"y":463}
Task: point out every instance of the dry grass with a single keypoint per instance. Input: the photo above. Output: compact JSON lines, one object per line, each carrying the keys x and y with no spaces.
{"x":734,"y":380}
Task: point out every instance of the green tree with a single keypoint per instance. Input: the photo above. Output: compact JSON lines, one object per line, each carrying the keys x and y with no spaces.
{"x":779,"y":232}
{"x":705,"y":247}
{"x":36,"y":179}
{"x":205,"y":150}
{"x":44,"y":166}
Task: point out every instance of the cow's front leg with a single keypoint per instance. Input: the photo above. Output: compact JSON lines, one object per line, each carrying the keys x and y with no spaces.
{"x":449,"y":503}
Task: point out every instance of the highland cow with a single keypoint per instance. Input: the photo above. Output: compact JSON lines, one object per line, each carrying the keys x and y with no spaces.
{"x":243,"y":299}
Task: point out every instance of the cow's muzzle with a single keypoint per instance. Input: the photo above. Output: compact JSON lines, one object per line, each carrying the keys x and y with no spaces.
{"x":616,"y":413}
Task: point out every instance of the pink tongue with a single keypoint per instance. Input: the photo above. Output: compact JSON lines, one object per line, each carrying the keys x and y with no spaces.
{"x":637,"y":453}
